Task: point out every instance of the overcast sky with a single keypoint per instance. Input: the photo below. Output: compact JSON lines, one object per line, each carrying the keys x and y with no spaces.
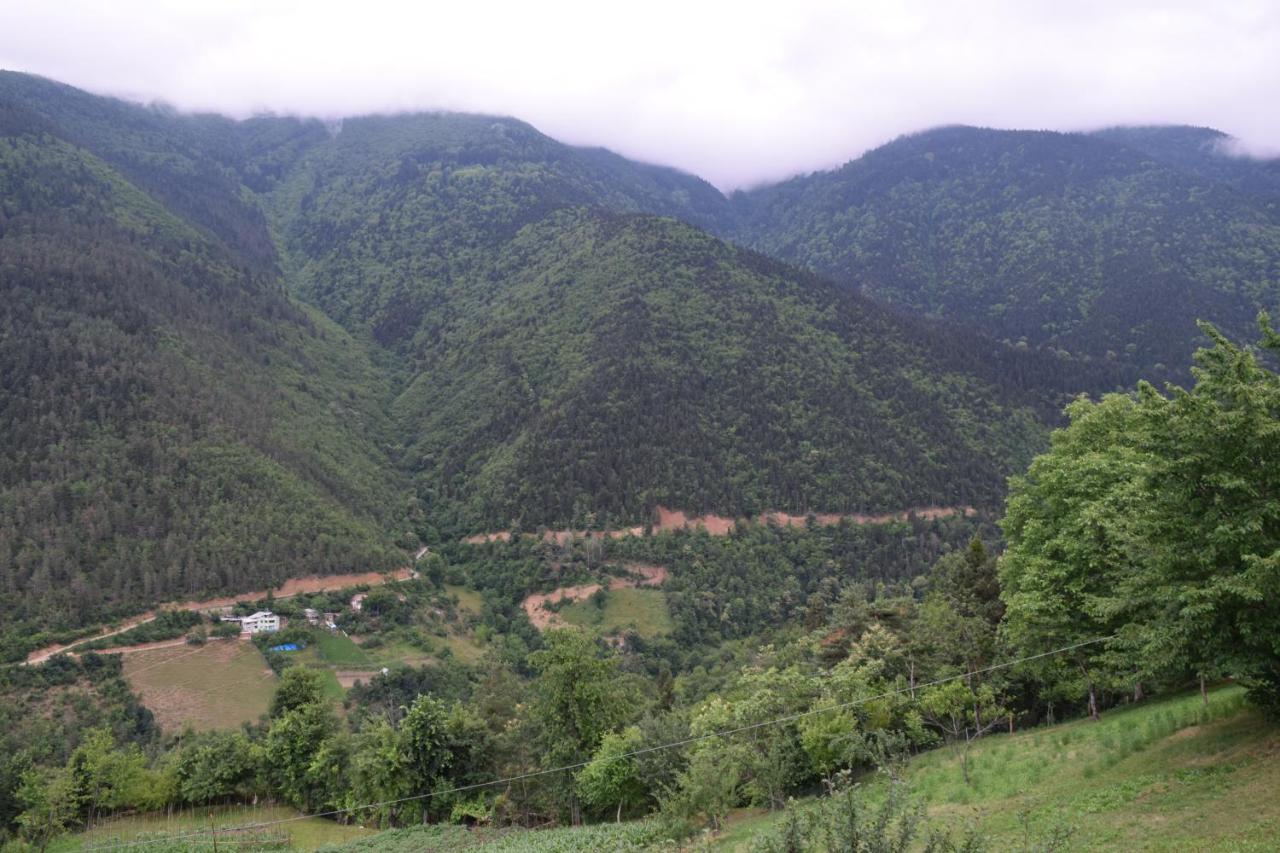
{"x":736,"y":92}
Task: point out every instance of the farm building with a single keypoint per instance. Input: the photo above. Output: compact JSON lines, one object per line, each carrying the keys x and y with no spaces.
{"x":357,"y":602}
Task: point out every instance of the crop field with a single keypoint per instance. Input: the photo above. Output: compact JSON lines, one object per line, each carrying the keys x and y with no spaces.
{"x":215,"y":686}
{"x":305,"y":834}
{"x":338,"y":649}
{"x":642,"y":610}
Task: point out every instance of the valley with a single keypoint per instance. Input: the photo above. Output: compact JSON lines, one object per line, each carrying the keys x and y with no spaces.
{"x":418,"y":479}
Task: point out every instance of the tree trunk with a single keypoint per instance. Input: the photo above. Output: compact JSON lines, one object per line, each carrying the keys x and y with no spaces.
{"x":1093,"y":703}
{"x":618,"y":818}
{"x":1204,"y":690}
{"x":1010,"y":723}
{"x":1137,"y":691}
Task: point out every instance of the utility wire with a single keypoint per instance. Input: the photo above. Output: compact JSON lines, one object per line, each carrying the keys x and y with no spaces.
{"x":579,"y":765}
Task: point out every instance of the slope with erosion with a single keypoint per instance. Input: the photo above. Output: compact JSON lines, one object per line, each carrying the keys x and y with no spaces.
{"x":1079,"y":242}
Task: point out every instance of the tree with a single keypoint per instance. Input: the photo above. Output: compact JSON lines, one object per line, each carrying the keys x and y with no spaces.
{"x":963,"y":714}
{"x":49,"y":805}
{"x":292,"y":743}
{"x":578,"y":699}
{"x":425,"y":744}
{"x":1215,"y":503}
{"x":613,"y":776}
{"x":1075,"y":524}
{"x":299,"y":686}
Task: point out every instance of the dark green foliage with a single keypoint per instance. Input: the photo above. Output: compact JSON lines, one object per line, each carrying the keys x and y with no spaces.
{"x":173,"y":423}
{"x":1083,"y":243}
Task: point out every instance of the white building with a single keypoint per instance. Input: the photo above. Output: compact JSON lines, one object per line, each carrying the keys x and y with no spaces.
{"x":357,"y":602}
{"x":262,"y":622}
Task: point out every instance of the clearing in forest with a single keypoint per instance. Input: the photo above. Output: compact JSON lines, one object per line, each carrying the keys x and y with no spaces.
{"x":215,"y":686}
{"x":544,"y":618}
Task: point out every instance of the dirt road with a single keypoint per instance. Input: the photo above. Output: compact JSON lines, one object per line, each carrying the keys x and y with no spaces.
{"x":290,"y":588}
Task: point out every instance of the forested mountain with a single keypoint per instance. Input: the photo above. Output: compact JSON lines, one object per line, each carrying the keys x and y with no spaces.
{"x":566,"y":357}
{"x":1109,"y":245}
{"x":1207,"y":152}
{"x":173,"y":423}
{"x":231,"y":344}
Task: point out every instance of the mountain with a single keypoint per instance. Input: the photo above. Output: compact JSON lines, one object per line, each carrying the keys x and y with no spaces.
{"x":236,"y":351}
{"x":1109,"y":246}
{"x":566,"y":355}
{"x":1209,"y":153}
{"x":173,"y":422}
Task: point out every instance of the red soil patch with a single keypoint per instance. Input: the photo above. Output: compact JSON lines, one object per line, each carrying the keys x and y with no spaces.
{"x":668,"y":520}
{"x":542,"y":618}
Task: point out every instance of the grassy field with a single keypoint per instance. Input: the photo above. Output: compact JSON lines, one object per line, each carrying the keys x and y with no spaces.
{"x":304,"y":834}
{"x":338,"y":649}
{"x":642,"y":610}
{"x":1166,"y":775}
{"x":215,"y":686}
{"x":469,"y":601}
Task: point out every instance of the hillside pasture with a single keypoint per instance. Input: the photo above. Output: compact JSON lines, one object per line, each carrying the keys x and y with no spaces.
{"x":215,"y":686}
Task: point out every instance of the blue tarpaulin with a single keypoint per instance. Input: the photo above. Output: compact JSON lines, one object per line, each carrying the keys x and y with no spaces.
{"x":287,"y":647}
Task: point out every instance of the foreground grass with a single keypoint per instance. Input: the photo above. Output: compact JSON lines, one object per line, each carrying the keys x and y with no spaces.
{"x":1165,"y":775}
{"x":154,"y":829}
{"x":1168,"y":775}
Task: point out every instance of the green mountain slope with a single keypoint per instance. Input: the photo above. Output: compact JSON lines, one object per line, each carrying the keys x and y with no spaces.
{"x":1072,"y":241}
{"x":560,"y":360}
{"x":619,"y":363}
{"x":395,"y":216}
{"x":173,"y":424}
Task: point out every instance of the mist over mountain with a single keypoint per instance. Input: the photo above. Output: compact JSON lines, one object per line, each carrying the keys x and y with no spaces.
{"x":338,"y":338}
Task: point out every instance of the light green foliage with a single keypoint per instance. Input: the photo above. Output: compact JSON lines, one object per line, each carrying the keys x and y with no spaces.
{"x":613,"y":776}
{"x":1156,"y":518}
{"x":216,"y":767}
{"x":579,"y":698}
{"x":298,"y":687}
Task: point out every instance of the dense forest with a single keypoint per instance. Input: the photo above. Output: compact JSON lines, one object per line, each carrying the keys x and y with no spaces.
{"x":1140,"y":558}
{"x":526,"y":342}
{"x":174,"y":424}
{"x":1109,"y":246}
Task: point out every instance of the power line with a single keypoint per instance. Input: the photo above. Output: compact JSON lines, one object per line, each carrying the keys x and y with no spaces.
{"x":579,"y":765}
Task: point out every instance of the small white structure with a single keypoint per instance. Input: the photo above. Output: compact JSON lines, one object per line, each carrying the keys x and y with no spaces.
{"x":357,"y":602}
{"x":313,"y":615}
{"x":262,"y":622}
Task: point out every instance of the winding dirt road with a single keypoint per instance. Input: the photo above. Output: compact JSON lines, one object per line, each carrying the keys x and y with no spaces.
{"x":290,"y":588}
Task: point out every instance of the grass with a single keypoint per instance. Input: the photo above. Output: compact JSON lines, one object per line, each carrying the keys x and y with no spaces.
{"x":642,"y":610}
{"x":335,"y":647}
{"x":215,"y":686}
{"x":1163,"y":776}
{"x":304,"y":834}
{"x":469,"y":601}
{"x":631,"y":836}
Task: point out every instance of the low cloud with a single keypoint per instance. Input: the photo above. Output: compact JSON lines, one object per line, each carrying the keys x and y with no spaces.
{"x":736,"y":92}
